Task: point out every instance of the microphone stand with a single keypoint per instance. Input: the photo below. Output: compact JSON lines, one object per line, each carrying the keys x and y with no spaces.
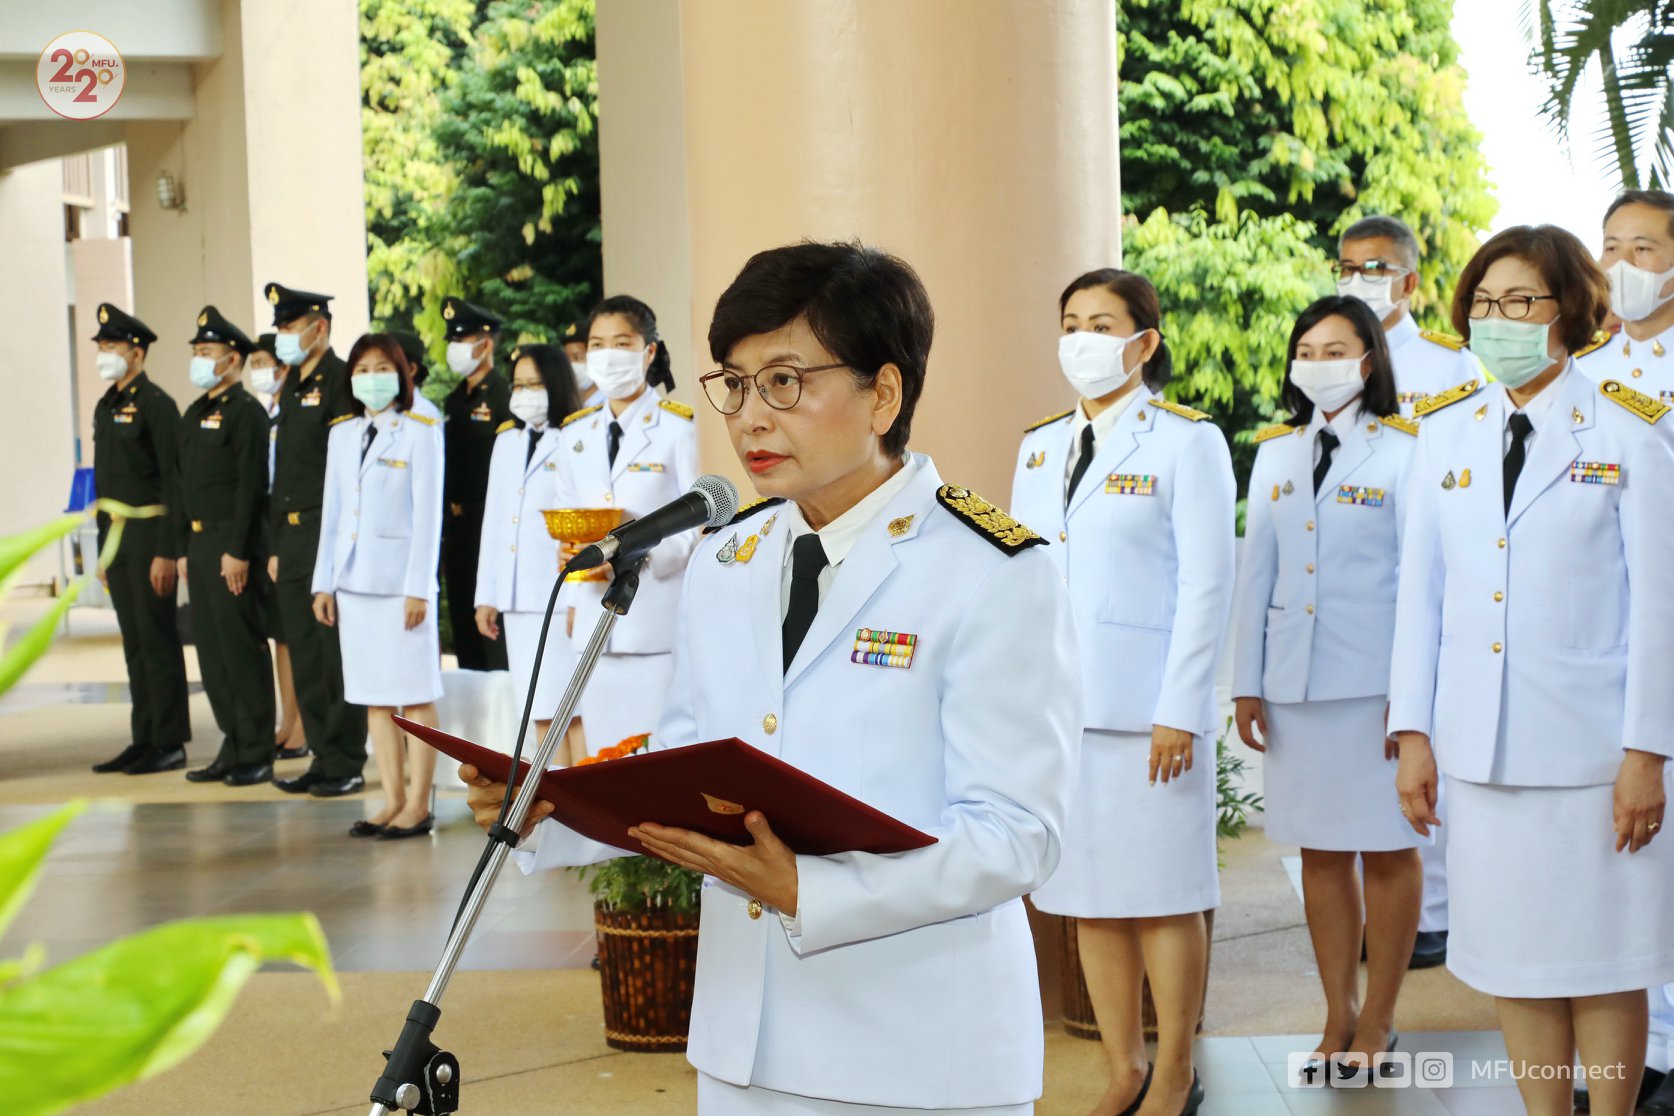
{"x":419,"y":1077}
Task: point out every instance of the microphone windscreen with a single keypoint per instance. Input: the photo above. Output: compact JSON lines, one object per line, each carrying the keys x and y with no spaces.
{"x":721,"y":496}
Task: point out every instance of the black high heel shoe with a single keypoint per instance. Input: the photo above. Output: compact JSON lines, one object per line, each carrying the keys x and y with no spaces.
{"x":1194,"y":1099}
{"x":1144,"y":1087}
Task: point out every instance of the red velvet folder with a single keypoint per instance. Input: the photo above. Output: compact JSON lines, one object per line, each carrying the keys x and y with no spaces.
{"x":703,"y":787}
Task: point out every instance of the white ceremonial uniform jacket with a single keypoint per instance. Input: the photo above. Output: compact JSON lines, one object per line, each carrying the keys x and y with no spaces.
{"x":1314,"y":616}
{"x":424,"y":408}
{"x":1426,"y":362}
{"x":518,"y":560}
{"x":1533,"y":645}
{"x":381,"y":521}
{"x":657,"y":461}
{"x":1646,"y":366}
{"x":912,"y":979}
{"x":1146,"y":547}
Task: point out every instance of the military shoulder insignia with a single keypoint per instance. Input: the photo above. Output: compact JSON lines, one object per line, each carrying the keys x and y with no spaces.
{"x":1600,"y":339}
{"x":746,"y":511}
{"x":675,"y":407}
{"x":1049,"y":420}
{"x":581,"y":414}
{"x":1396,"y":422}
{"x":1184,"y":412}
{"x":1638,"y":402}
{"x":1431,"y":404}
{"x":987,"y":520}
{"x":426,"y":419}
{"x":1445,"y":340}
{"x":509,"y":424}
{"x":340,"y":418}
{"x":1268,"y":433}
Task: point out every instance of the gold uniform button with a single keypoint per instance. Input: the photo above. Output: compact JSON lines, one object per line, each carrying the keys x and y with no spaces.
{"x":514,"y":549}
{"x":1310,"y":610}
{"x":770,"y":724}
{"x":607,"y":497}
{"x":1499,"y":596}
{"x":1310,"y":567}
{"x":755,"y":908}
{"x":519,"y":492}
{"x":1502,"y":544}
{"x":1063,"y":536}
{"x":514,"y":519}
{"x":1310,"y":525}
{"x":353,"y":536}
{"x":1498,"y":648}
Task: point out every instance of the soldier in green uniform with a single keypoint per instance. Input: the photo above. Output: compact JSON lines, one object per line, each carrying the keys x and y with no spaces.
{"x":314,"y":395}
{"x":475,"y":411}
{"x":135,"y":440}
{"x":219,"y":517}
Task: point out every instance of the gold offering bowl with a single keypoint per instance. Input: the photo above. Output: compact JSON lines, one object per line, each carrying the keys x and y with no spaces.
{"x":581,"y":526}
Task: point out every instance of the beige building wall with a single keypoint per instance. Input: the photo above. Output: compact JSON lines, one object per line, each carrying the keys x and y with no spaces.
{"x":100,"y":268}
{"x":974,"y":138}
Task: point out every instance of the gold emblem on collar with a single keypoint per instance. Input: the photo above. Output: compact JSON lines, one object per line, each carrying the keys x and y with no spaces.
{"x":899,"y":527}
{"x":1465,"y":479}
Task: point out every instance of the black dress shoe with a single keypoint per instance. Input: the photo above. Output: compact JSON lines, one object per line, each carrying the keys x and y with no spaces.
{"x":1656,"y":1095}
{"x":364,"y":828}
{"x":1194,"y":1099}
{"x":121,"y":760}
{"x":157,"y":759}
{"x":337,"y":788}
{"x":298,"y":784}
{"x":301,"y":751}
{"x":400,"y":832}
{"x":1144,"y":1087}
{"x":214,"y":773}
{"x":248,"y":775}
{"x":1429,"y":949}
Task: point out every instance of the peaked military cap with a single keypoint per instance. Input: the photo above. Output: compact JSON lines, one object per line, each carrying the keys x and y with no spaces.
{"x":267,"y":344}
{"x":116,"y":324}
{"x":412,"y":346}
{"x":466,"y":320}
{"x":288,"y":305}
{"x":215,"y":329}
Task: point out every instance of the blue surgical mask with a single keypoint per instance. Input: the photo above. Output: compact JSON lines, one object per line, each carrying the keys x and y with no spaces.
{"x":202,"y":373}
{"x":1515,"y":352}
{"x":288,"y":348}
{"x":376,"y":390}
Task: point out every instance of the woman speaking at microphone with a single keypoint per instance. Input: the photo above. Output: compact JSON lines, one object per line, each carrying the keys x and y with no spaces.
{"x":380,"y":540}
{"x":854,"y":982}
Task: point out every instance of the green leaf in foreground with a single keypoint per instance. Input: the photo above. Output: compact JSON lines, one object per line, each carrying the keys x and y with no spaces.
{"x":22,"y":851}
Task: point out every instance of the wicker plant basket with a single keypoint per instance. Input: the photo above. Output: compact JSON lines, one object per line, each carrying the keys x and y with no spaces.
{"x":647,"y":966}
{"x":1078,"y":1006}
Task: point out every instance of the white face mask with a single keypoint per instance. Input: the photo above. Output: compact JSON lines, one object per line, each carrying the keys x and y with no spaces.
{"x":1376,"y":293}
{"x":202,"y":373}
{"x":1329,"y":384}
{"x":264,"y":380}
{"x":462,"y":356}
{"x":1636,"y":294}
{"x":111,"y":366}
{"x":529,"y":404}
{"x":620,"y":373}
{"x":288,"y":346}
{"x":1092,"y":362}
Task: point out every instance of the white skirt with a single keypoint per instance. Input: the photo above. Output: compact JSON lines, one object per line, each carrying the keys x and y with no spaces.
{"x":1542,"y":906}
{"x":1326,"y":783}
{"x":1132,"y":850}
{"x":720,"y":1098}
{"x":383,"y":662}
{"x":624,"y":698}
{"x":523,"y":633}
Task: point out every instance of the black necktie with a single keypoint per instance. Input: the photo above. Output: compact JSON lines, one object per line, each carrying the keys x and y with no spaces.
{"x":1520,"y":427}
{"x":807,"y":560}
{"x":1081,"y":462}
{"x":1327,"y":446}
{"x":613,"y":439}
{"x":535,"y":440}
{"x":366,"y":441}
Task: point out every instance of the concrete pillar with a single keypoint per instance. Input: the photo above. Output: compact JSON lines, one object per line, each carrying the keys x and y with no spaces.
{"x":974,"y":138}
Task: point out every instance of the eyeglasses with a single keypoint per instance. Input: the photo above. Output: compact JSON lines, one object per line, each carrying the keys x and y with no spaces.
{"x":1514,"y":307}
{"x":779,"y":385}
{"x":1371,"y":269}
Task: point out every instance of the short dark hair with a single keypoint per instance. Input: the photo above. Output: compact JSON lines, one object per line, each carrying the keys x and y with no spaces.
{"x":867,"y":307}
{"x":558,"y":374}
{"x":1568,"y":268}
{"x":391,"y":348}
{"x":645,"y":324}
{"x":1381,"y":228}
{"x":1140,"y":297}
{"x":1656,"y":199}
{"x":1378,"y":398}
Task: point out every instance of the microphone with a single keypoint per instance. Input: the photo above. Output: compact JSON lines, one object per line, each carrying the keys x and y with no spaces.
{"x":712,"y":501}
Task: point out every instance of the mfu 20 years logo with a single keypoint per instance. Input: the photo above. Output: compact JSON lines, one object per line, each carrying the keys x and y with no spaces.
{"x":80,"y":75}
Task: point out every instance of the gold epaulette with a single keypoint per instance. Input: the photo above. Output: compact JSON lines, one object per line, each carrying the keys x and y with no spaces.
{"x":987,"y":520}
{"x":747,"y":511}
{"x":1600,"y":339}
{"x":1184,"y":412}
{"x":675,"y":407}
{"x":509,"y":424}
{"x":426,"y":419}
{"x":579,"y":415}
{"x":1397,"y":422}
{"x":341,"y":418}
{"x":1445,"y":340}
{"x":1430,"y":404}
{"x":1048,"y":420}
{"x":1268,"y":433}
{"x":1645,"y":406}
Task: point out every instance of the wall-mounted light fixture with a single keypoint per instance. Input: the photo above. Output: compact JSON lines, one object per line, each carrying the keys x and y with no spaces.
{"x":169,"y":193}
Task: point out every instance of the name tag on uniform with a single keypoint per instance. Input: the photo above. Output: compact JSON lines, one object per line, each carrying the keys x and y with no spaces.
{"x":312,"y":399}
{"x":1405,"y":397}
{"x":481,"y":413}
{"x":210,"y":422}
{"x":392,"y":462}
{"x":1360,"y":494}
{"x":649,"y":467}
{"x":885,"y":649}
{"x":1129,"y":484}
{"x":1595,"y":472}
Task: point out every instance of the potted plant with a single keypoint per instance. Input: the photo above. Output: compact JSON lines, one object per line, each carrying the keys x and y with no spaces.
{"x":645,"y":913}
